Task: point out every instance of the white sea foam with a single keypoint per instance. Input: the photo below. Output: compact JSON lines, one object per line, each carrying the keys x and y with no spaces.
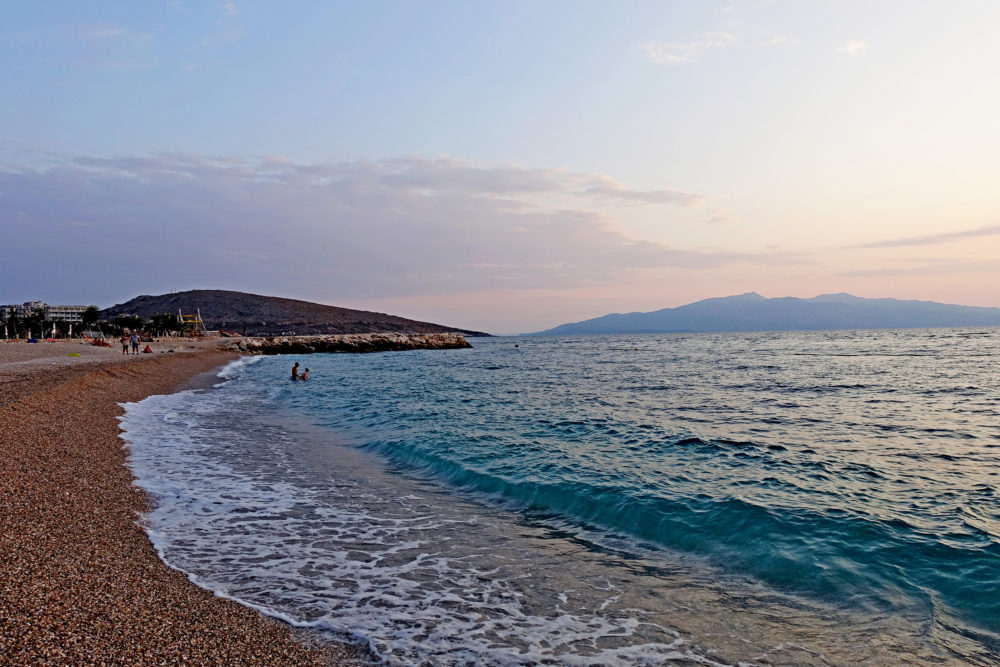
{"x":234,"y":368}
{"x":363,"y":555}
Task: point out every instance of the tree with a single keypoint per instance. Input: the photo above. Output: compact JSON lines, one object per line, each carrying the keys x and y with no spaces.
{"x":90,"y":316}
{"x":130,"y":322}
{"x":61,"y":327}
{"x":12,"y":322}
{"x":164,"y":322}
{"x":36,"y":321}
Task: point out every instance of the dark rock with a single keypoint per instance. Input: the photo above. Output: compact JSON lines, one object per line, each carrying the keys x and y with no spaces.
{"x":352,"y":343}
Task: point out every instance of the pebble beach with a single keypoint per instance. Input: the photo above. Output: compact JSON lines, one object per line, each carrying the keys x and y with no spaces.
{"x":82,"y":584}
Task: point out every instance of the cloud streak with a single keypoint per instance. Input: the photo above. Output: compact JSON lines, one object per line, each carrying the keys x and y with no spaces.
{"x":927,"y":267}
{"x":678,"y":53}
{"x":363,"y":229}
{"x":82,"y":33}
{"x":854,"y":48}
{"x":101,"y":45}
{"x":934,"y":239}
{"x":778,"y":40}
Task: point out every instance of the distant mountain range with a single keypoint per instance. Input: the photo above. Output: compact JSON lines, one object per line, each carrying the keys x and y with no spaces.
{"x":752,"y":312}
{"x":256,"y":315}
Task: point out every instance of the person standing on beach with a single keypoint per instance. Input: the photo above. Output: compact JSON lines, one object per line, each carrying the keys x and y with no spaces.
{"x":295,"y":371}
{"x":124,"y":344}
{"x":135,"y":343}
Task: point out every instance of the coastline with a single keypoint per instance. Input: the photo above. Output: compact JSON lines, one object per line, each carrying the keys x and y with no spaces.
{"x":83,"y":582}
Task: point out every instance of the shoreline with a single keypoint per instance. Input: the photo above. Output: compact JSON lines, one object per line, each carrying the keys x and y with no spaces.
{"x":83,"y":582}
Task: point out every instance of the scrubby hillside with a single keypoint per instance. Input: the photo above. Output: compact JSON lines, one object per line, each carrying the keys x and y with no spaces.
{"x":256,"y":315}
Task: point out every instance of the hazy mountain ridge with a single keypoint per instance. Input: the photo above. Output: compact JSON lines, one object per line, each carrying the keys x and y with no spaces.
{"x":753,"y":312}
{"x":258,"y":315}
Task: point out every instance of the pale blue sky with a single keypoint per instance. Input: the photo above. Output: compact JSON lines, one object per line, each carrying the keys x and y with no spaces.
{"x":500,"y":165}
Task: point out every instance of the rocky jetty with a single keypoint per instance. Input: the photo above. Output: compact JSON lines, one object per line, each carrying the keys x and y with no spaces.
{"x":376,"y":342}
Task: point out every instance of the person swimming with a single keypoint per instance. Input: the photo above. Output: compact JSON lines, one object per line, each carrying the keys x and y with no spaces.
{"x":295,"y":371}
{"x":305,"y":375}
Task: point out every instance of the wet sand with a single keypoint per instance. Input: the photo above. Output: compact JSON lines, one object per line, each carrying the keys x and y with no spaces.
{"x":81,"y":582}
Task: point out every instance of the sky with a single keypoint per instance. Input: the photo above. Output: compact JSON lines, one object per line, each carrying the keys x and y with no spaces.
{"x":504,"y":166}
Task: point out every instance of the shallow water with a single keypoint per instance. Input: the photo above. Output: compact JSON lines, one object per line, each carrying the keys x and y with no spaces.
{"x":818,"y":497}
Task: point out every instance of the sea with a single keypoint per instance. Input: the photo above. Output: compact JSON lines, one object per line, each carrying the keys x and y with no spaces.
{"x":826,"y":497}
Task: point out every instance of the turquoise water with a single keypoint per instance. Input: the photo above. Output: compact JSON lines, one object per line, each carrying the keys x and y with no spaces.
{"x":816,"y":497}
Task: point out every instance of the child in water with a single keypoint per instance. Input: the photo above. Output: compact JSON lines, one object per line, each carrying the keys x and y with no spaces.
{"x":305,"y":374}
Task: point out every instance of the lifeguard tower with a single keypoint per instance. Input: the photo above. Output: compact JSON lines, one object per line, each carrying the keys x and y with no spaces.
{"x":192,"y":324}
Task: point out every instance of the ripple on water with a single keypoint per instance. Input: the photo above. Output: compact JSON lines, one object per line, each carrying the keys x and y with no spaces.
{"x":583,"y":500}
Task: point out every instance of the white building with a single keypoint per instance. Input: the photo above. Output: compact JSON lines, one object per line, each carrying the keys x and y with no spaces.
{"x":64,"y":313}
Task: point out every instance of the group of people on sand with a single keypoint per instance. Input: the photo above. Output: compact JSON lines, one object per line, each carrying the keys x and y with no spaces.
{"x":133,"y":342}
{"x":295,"y":373}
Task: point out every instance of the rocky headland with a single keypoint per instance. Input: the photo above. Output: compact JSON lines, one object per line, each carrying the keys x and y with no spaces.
{"x":246,"y":314}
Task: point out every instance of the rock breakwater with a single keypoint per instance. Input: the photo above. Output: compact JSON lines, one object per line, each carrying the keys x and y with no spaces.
{"x":357,"y":343}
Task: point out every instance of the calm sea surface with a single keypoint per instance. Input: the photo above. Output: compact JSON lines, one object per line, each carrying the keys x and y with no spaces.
{"x":797,"y":498}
